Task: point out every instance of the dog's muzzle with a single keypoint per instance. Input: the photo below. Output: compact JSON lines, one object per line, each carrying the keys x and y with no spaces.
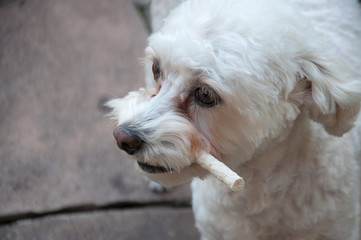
{"x":131,"y":144}
{"x":127,"y":141}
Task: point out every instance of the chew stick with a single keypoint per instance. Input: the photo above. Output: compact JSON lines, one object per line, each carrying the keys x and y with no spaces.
{"x":220,"y":171}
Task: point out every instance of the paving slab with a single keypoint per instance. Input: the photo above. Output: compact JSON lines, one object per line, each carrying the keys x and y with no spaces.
{"x":59,"y":61}
{"x":154,"y":223}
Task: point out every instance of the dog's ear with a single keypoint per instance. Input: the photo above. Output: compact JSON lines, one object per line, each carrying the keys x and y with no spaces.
{"x":333,"y":96}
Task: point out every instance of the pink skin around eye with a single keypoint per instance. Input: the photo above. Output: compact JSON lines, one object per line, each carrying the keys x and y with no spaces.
{"x":158,"y":89}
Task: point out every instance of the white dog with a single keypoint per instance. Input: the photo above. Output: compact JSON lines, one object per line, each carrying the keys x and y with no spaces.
{"x":252,"y":83}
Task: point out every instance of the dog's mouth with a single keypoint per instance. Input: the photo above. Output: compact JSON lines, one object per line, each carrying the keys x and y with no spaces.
{"x":152,"y":168}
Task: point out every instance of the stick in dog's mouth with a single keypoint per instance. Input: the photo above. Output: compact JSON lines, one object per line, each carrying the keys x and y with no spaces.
{"x":220,"y":171}
{"x":209,"y":163}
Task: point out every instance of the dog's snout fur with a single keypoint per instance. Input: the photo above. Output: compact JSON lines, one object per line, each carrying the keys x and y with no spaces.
{"x":127,"y":141}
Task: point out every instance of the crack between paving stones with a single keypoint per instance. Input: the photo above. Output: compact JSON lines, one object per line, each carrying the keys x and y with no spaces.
{"x":91,"y":208}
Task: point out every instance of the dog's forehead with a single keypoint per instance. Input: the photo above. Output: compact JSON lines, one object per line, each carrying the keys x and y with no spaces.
{"x":180,"y":51}
{"x":202,"y":35}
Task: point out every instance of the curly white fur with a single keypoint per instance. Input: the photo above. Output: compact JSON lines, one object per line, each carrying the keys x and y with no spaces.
{"x":289,"y":100}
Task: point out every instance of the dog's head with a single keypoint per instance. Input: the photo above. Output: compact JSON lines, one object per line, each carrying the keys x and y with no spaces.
{"x":230,"y":77}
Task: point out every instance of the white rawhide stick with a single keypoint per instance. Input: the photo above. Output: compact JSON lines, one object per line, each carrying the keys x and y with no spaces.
{"x":221,"y":171}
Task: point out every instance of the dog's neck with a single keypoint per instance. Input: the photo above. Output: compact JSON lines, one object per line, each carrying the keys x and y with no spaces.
{"x":285,"y":155}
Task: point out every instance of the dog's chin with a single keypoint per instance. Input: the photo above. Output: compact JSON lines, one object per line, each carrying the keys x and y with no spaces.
{"x":169,"y":177}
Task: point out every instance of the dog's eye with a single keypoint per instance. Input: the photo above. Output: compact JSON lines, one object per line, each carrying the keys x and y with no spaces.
{"x":156,"y":70}
{"x":206,"y":97}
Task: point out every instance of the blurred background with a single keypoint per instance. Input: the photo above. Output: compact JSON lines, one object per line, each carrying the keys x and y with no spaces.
{"x":61,"y":175}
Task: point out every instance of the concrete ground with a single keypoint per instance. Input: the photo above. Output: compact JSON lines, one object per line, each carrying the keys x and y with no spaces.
{"x":61,"y":175}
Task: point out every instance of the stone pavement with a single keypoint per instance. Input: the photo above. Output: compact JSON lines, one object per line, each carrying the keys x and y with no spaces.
{"x":61,"y":175}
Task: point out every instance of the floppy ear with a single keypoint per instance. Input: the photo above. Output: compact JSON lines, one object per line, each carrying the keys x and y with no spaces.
{"x":334,"y":96}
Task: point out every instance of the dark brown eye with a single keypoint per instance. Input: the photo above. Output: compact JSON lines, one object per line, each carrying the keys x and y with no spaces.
{"x":156,"y":70}
{"x":206,"y":97}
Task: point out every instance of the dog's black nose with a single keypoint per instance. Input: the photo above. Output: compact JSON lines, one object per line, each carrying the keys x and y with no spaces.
{"x":127,"y":141}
